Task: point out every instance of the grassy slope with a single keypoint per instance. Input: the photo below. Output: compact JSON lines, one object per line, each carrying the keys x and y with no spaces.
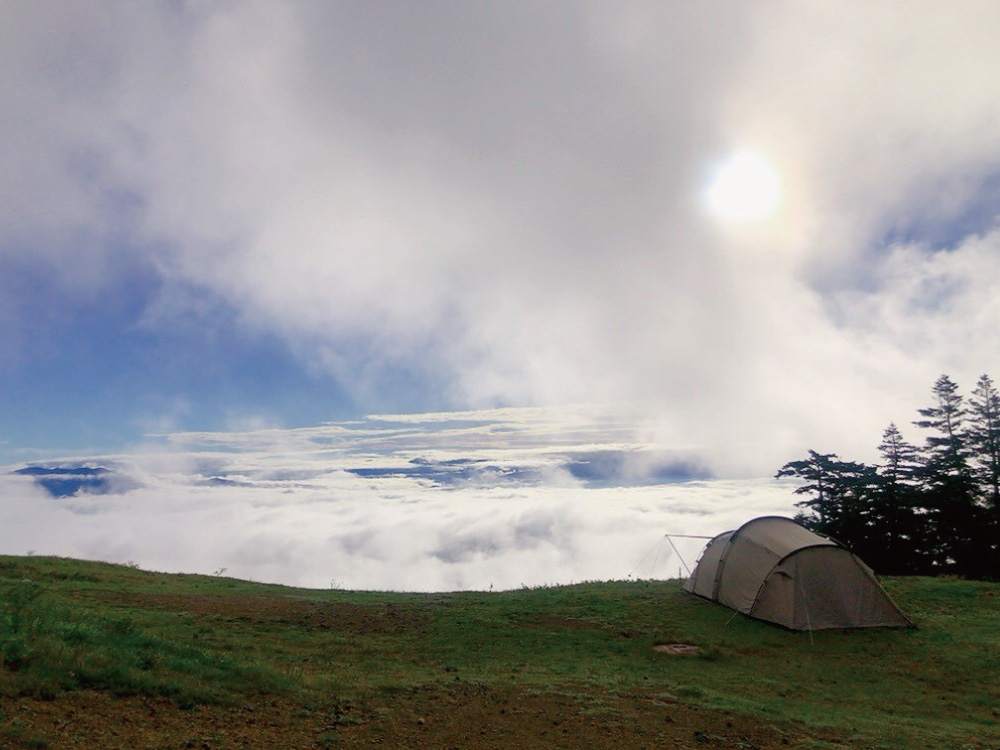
{"x":66,"y":625}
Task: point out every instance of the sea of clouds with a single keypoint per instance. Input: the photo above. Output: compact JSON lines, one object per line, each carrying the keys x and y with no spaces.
{"x":493,"y":499}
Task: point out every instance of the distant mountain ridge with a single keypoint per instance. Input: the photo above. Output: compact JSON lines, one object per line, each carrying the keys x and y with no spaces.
{"x":63,"y":470}
{"x":67,"y":481}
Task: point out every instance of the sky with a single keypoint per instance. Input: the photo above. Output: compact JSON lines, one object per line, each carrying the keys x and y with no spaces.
{"x":232,"y":217}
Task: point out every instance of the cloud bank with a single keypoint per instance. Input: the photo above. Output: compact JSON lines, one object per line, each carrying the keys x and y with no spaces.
{"x":476,"y":500}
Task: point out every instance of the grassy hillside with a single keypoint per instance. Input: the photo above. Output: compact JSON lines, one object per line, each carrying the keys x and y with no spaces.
{"x":356,"y":668}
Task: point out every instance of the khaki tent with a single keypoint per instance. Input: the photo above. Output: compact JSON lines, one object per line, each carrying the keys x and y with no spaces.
{"x":773,"y":569}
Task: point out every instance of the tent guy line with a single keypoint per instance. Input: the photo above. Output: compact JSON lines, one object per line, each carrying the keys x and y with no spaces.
{"x":659,"y":544}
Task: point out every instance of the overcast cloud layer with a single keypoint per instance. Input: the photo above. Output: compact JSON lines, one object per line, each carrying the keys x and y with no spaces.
{"x":450,"y":205}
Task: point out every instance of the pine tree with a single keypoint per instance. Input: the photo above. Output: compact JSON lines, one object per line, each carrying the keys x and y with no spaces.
{"x":950,"y":490}
{"x":817,"y":472}
{"x":899,"y":534}
{"x":900,"y":460}
{"x":928,"y":510}
{"x":840,"y":498}
{"x":984,"y":440}
{"x":946,"y":452}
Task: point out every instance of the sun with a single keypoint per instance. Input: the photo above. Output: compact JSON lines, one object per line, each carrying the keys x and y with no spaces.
{"x":745,"y":188}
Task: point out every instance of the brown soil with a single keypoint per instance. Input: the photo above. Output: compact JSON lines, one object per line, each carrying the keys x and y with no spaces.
{"x":677,"y":649}
{"x":467,"y":716}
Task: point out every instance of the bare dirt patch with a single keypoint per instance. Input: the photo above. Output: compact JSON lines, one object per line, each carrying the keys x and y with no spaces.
{"x":678,"y":649}
{"x":460,"y":716}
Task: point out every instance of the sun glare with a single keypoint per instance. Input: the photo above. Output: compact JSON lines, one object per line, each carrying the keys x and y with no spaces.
{"x":745,"y":188}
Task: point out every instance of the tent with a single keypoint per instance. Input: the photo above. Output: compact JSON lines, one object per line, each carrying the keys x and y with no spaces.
{"x":773,"y":569}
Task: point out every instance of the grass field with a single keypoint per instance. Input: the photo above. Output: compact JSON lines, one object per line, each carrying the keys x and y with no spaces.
{"x":358,"y":663}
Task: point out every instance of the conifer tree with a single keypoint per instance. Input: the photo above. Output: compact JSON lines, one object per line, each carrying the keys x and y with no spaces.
{"x":928,"y":510}
{"x":946,"y":452}
{"x":984,"y":440}
{"x":900,"y":460}
{"x":898,"y":531}
{"x":950,"y":489}
{"x":840,"y":497}
{"x":817,"y":472}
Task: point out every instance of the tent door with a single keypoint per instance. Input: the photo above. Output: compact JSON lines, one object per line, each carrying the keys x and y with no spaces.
{"x":776,"y":599}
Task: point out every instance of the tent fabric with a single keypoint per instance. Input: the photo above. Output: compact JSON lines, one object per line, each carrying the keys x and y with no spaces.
{"x":702,"y":580}
{"x":776,"y":570}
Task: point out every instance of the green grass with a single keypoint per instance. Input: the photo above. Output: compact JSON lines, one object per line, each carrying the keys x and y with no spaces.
{"x":66,"y":625}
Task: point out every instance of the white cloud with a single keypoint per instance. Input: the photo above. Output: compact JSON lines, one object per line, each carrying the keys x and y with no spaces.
{"x":355,"y":506}
{"x":383,"y":534}
{"x":936,"y":305}
{"x":502,"y":203}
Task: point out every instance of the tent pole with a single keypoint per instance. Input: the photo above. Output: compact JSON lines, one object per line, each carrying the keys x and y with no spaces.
{"x":805,"y":606}
{"x":677,"y":552}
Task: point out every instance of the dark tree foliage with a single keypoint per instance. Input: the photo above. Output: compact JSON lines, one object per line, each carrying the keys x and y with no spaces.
{"x":820,"y":482}
{"x":900,"y":460}
{"x":984,"y":443}
{"x":946,"y":452}
{"x":922,"y":510}
{"x":949,"y":489}
{"x":898,"y":524}
{"x":836,"y":494}
{"x":984,"y":440}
